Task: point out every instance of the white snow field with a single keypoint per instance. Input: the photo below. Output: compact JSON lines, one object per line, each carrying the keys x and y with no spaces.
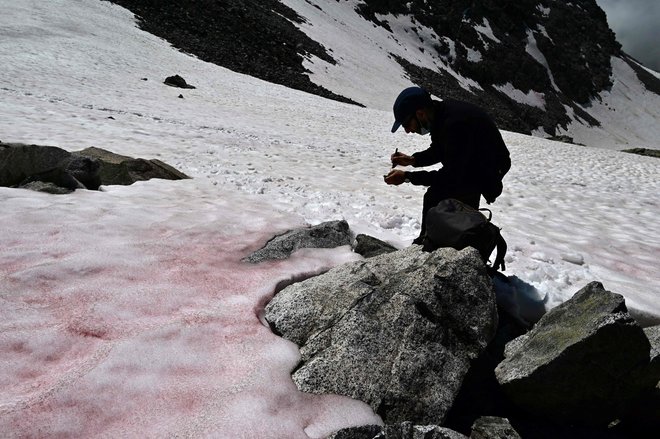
{"x":128,"y":312}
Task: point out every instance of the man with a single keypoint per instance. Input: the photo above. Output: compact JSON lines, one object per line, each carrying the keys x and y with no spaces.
{"x":463,"y":138}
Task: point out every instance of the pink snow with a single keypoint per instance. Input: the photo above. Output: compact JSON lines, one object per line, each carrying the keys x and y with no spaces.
{"x":130,"y":314}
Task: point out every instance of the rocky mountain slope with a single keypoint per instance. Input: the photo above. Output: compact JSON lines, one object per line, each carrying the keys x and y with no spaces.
{"x":543,"y":67}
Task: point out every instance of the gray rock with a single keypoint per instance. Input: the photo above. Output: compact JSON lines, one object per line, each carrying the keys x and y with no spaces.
{"x":405,"y":430}
{"x":123,"y":170}
{"x":25,"y":165}
{"x":649,"y":377}
{"x":368,"y":246}
{"x":653,"y":335}
{"x":18,"y":162}
{"x":56,"y":177}
{"x":644,"y":151}
{"x":644,"y":414}
{"x":49,"y":188}
{"x":491,"y":427}
{"x":397,"y":331}
{"x":86,"y":170}
{"x":330,"y":234}
{"x":361,"y":432}
{"x":580,"y":363}
{"x":46,"y":169}
{"x":177,"y":81}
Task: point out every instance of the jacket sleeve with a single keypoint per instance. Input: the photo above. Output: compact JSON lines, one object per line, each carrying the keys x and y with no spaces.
{"x":428,"y":157}
{"x":424,"y":178}
{"x":457,"y":157}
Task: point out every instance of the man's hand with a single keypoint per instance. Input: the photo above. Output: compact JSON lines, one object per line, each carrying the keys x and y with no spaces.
{"x":395,"y":177}
{"x":399,"y":158}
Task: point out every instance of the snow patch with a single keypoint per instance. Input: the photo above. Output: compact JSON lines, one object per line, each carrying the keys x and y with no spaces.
{"x":531,"y":98}
{"x":485,"y":30}
{"x":473,"y":55}
{"x":534,"y":51}
{"x":543,"y":10}
{"x":628,"y":112}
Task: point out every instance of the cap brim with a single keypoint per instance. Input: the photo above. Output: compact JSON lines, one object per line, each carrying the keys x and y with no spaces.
{"x":396,"y":125}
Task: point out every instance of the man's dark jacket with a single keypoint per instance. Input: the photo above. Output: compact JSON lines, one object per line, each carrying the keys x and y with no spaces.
{"x":468,"y":144}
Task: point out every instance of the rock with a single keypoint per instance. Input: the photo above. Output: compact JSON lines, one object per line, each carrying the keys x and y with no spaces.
{"x":46,"y":169}
{"x":653,"y":335}
{"x":489,"y":427}
{"x":56,"y":177}
{"x":177,"y":81}
{"x":123,"y":170}
{"x":84,"y":169}
{"x":330,"y":234}
{"x":643,"y":151}
{"x":361,"y":432}
{"x":397,"y":331}
{"x":649,"y":377}
{"x":480,"y":392}
{"x":561,"y":138}
{"x":405,"y":430}
{"x":368,"y":246}
{"x":644,"y":414}
{"x":49,"y":188}
{"x":581,"y":362}
{"x":26,"y":165}
{"x":18,"y":162}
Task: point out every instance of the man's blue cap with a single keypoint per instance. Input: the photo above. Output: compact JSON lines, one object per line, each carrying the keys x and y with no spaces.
{"x":407,"y":103}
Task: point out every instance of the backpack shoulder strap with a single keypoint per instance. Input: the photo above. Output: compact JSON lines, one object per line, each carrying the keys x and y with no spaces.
{"x":498,"y":263}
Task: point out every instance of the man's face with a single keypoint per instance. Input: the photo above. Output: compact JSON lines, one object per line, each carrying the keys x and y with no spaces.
{"x":412,"y":124}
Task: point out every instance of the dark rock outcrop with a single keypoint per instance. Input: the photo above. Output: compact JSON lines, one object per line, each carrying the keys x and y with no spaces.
{"x":397,"y":331}
{"x":18,"y":162}
{"x":644,"y":151}
{"x":177,"y":81}
{"x":330,"y":234}
{"x":124,"y":170}
{"x":254,"y":37}
{"x":579,"y":71}
{"x":405,"y":430}
{"x":46,"y":187}
{"x":56,"y":171}
{"x":490,"y":427}
{"x":644,"y":414}
{"x":46,"y":169}
{"x":582,"y":363}
{"x":653,"y":335}
{"x":368,"y":246}
{"x":361,"y":432}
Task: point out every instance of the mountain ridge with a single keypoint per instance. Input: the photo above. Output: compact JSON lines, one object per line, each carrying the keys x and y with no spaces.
{"x":541,"y":68}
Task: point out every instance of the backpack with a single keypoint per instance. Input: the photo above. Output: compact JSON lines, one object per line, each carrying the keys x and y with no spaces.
{"x":455,"y":224}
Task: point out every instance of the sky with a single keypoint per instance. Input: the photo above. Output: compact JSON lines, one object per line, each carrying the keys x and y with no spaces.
{"x":127,"y":312}
{"x":637,"y":27}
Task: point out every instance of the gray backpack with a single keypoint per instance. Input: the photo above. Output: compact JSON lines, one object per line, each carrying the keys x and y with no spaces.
{"x":455,"y":224}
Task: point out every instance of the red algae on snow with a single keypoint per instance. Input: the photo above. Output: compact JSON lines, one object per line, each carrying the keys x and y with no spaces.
{"x":149,"y":328}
